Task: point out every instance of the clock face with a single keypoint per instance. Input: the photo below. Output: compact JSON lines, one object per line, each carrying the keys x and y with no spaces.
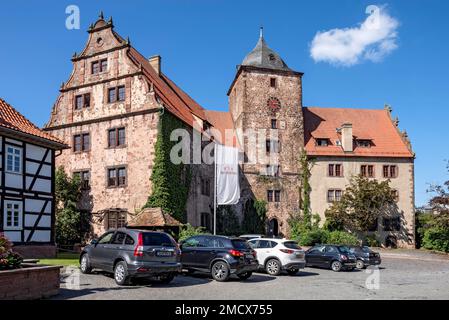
{"x":274,"y":105}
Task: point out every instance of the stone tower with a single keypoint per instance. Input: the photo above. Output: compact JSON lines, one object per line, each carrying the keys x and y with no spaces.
{"x":265,"y":101}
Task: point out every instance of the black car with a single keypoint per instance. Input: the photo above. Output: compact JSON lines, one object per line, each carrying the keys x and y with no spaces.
{"x":221,"y":256}
{"x":130,"y":253}
{"x":334,"y":257}
{"x":365,"y":256}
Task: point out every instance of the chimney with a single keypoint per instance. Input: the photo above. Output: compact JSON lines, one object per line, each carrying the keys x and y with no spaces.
{"x":346,"y":137}
{"x":155,"y":62}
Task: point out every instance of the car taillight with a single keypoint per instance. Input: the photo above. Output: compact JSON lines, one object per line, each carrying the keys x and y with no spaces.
{"x":288,"y":251}
{"x":254,"y":253}
{"x":138,"y":250}
{"x":235,"y":253}
{"x":178,"y":250}
{"x":343,"y":257}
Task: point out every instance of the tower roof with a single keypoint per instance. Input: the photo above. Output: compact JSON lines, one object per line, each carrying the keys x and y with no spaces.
{"x":264,"y":57}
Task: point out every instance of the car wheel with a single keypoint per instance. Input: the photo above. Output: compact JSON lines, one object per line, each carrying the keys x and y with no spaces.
{"x":292,"y":272}
{"x":273,"y":267}
{"x":121,"y":273}
{"x":85,"y":264}
{"x":220,"y":271}
{"x":336,"y":266}
{"x":167,"y":278}
{"x":244,"y":276}
{"x":360,"y":264}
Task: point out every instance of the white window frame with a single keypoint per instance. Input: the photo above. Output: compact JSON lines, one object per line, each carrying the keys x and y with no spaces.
{"x":7,"y":147}
{"x":5,"y":215}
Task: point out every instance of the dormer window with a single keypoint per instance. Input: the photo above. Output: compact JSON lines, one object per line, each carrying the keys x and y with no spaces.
{"x":322,"y":142}
{"x":99,"y":66}
{"x":363,"y":143}
{"x":82,"y":101}
{"x":271,"y":57}
{"x":273,"y":82}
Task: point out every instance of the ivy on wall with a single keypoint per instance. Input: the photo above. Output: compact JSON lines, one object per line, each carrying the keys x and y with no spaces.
{"x":170,"y":181}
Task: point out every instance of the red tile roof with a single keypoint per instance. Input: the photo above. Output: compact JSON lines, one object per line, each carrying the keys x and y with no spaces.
{"x":177,"y":101}
{"x":11,"y":119}
{"x":375,"y":125}
{"x":222,"y":121}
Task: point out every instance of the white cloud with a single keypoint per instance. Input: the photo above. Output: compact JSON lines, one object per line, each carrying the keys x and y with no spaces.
{"x":372,"y":40}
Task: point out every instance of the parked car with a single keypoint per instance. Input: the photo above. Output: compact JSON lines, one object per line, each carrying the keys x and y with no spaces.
{"x":221,"y":256}
{"x":251,"y":236}
{"x":130,"y":253}
{"x":365,"y":256}
{"x":276,"y":255}
{"x":335,"y":257}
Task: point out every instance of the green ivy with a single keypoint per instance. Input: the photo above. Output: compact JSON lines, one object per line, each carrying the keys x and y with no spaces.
{"x":170,"y":181}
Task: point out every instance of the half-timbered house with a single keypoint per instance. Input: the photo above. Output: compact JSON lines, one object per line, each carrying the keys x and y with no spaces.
{"x":27,"y":183}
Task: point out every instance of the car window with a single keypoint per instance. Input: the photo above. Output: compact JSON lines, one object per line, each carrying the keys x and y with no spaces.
{"x":216,"y":243}
{"x":330,"y":250}
{"x":106,"y":238}
{"x":292,"y":245}
{"x":129,"y":240}
{"x":191,"y":242}
{"x":118,"y":238}
{"x":343,"y":249}
{"x":315,"y":251}
{"x":157,"y":239}
{"x":254,"y":244}
{"x":366,"y":249}
{"x":264,"y":244}
{"x":273,"y":244}
{"x":240,"y":244}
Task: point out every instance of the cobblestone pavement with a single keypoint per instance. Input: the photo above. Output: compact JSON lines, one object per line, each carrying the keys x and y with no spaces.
{"x":402,"y":275}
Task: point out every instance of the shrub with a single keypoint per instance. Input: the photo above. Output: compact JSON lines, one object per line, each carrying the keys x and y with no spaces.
{"x":312,"y":237}
{"x":8,"y":258}
{"x":342,"y":237}
{"x":372,"y":241}
{"x":436,"y":238}
{"x":188,"y":231}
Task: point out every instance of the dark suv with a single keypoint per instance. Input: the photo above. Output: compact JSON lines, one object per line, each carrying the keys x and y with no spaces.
{"x":335,"y":257}
{"x":219,"y":255}
{"x":130,"y":253}
{"x":365,"y":256}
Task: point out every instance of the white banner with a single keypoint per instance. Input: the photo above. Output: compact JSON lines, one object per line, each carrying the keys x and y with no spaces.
{"x":227,"y":174}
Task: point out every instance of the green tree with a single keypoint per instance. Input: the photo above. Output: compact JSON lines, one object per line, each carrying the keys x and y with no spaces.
{"x":362,"y":203}
{"x":305,"y":167}
{"x":188,"y":231}
{"x":255,"y":217}
{"x":227,"y":221}
{"x":70,"y":221}
{"x":170,"y":181}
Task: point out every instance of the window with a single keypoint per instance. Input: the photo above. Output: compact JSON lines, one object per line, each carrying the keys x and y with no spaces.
{"x":273,"y":170}
{"x":390,"y":171}
{"x":117,"y":177}
{"x":334,"y":195}
{"x":13,"y":159}
{"x":116,"y":220}
{"x":205,"y":220}
{"x":363,"y":143}
{"x":273,"y":82}
{"x":274,"y":195}
{"x":392,"y":224}
{"x":118,"y":238}
{"x":106,"y":238}
{"x":116,"y":137}
{"x":272,"y":146}
{"x":13,"y":215}
{"x":322,"y":142}
{"x":205,"y":187}
{"x":335,"y":170}
{"x":99,"y":66}
{"x":116,"y":94}
{"x":129,"y":240}
{"x":81,"y":142}
{"x":367,"y":171}
{"x":274,"y":124}
{"x":84,"y":177}
{"x":82,"y":101}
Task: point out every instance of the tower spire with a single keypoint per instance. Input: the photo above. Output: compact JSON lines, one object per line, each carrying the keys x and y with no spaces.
{"x":261,"y":32}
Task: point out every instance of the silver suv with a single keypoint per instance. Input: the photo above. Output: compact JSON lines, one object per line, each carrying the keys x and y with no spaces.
{"x":130,"y":253}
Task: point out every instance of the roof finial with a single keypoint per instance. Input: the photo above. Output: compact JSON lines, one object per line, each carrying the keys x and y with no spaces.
{"x":101,"y":15}
{"x":261,"y":32}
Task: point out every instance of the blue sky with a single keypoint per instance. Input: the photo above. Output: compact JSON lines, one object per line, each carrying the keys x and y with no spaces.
{"x":202,"y":41}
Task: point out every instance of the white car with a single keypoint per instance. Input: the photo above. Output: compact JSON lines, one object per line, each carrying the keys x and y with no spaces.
{"x":276,"y":255}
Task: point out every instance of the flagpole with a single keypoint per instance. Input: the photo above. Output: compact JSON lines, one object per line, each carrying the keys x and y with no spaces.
{"x":215,"y":189}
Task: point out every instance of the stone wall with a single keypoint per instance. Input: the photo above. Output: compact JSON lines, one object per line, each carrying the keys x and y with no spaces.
{"x":36,"y":251}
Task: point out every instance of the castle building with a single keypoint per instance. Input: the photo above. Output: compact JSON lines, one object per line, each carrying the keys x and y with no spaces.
{"x":109,"y":110}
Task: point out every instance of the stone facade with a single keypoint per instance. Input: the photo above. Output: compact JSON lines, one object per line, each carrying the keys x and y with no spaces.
{"x":249,"y":106}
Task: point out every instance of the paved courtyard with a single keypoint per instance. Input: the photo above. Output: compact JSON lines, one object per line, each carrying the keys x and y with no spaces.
{"x":402,"y":275}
